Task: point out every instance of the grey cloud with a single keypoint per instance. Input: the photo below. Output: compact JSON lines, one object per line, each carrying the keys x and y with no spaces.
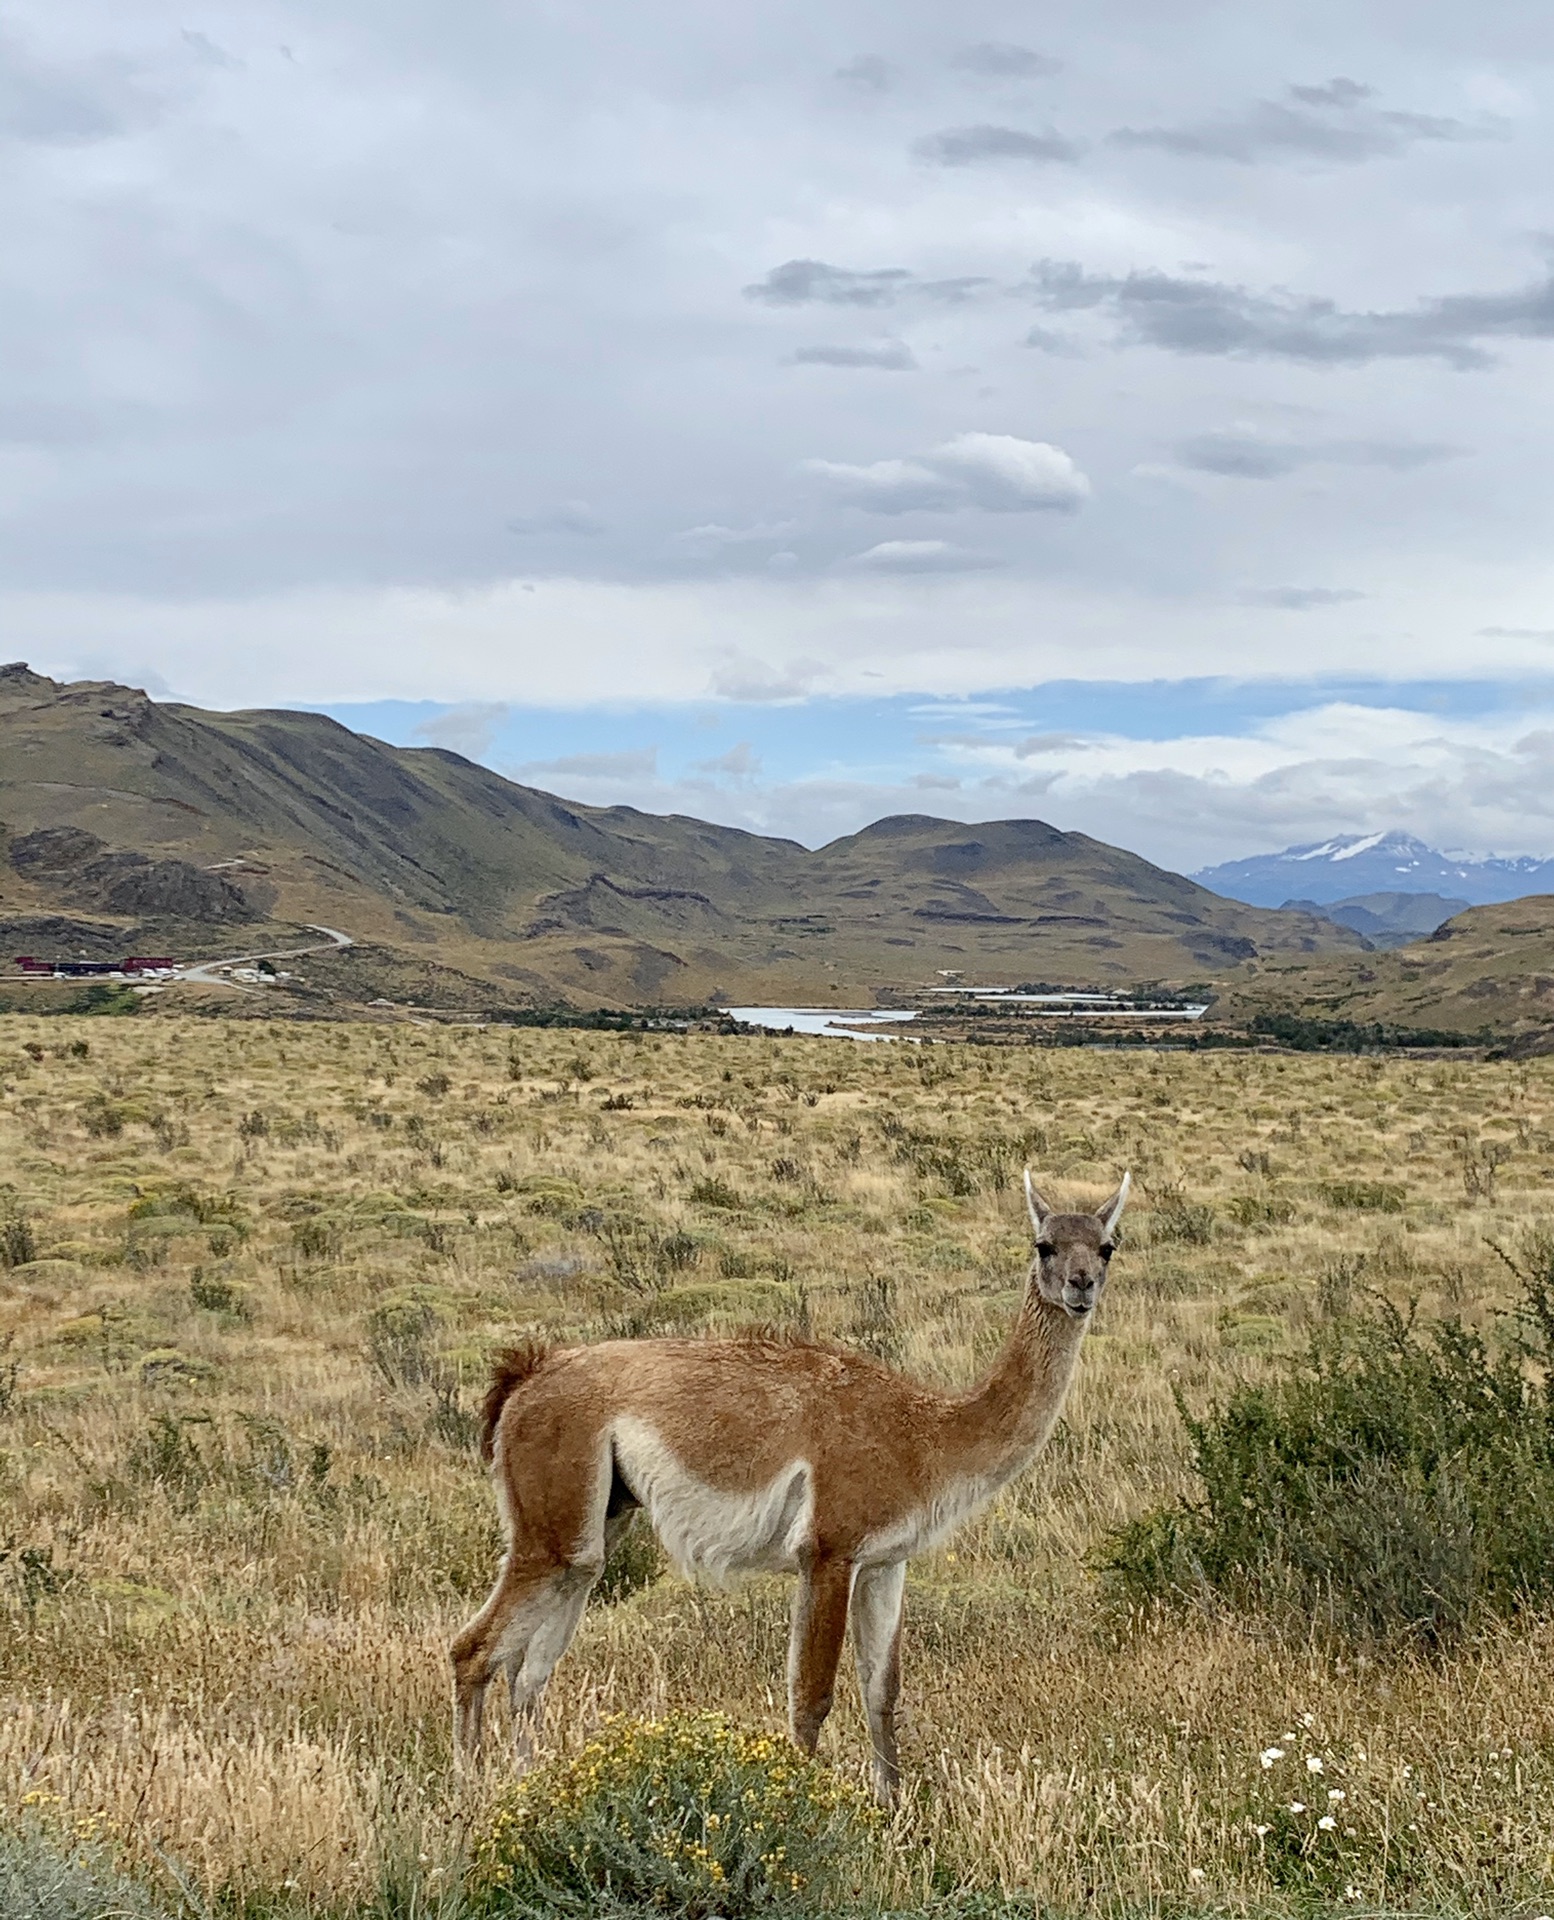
{"x":470,"y":729}
{"x":1517,"y":633}
{"x":56,"y":103}
{"x":799,"y":283}
{"x":1059,"y":345}
{"x":639,"y":765}
{"x":1212,"y":317}
{"x":1248,"y":456}
{"x":969,"y":146}
{"x":207,"y":52}
{"x":1039,"y":743}
{"x":740,"y":676}
{"x":1300,"y":599}
{"x":1003,"y":60}
{"x":741,"y":762}
{"x":1338,"y":92}
{"x":1329,"y":122}
{"x":572,"y":516}
{"x":936,"y":782}
{"x":868,"y":73}
{"x":891,"y":356}
{"x":922,"y":556}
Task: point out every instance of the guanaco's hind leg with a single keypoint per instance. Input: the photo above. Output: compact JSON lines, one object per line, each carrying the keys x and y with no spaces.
{"x":499,"y":1636}
{"x":876,"y":1615}
{"x":815,"y":1645}
{"x":526,"y":1626}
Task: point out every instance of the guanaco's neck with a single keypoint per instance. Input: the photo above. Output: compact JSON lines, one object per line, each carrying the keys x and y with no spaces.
{"x":1004,"y":1422}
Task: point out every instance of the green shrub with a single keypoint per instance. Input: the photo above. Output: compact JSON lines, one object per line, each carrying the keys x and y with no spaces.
{"x":400,"y":1341}
{"x":715,"y":1191}
{"x":1261,"y":1209}
{"x":17,"y":1244}
{"x":40,"y":1882}
{"x":1373,"y":1196}
{"x":688,"y":1816}
{"x":1175,"y":1217}
{"x":1396,"y":1485}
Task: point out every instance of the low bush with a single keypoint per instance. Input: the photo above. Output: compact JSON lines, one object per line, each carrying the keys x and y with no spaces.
{"x":689,"y":1816}
{"x":1396,"y":1485}
{"x":1175,"y":1217}
{"x":1304,"y":1035}
{"x":1369,"y":1196}
{"x":40,"y":1881}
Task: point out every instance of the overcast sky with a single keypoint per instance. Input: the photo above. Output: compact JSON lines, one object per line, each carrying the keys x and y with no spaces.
{"x":777,"y":411}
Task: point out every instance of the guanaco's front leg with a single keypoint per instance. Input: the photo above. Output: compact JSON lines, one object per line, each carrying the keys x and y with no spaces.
{"x":815,"y":1647}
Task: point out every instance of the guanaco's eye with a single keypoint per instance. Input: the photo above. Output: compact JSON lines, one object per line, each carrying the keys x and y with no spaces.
{"x":1106,"y":1254}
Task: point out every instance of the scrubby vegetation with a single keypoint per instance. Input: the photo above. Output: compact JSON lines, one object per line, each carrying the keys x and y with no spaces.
{"x":687,"y":1815}
{"x":251,"y":1277}
{"x":1397,"y":1484}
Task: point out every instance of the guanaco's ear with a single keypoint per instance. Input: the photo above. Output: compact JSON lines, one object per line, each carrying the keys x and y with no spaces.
{"x":1111,"y":1213}
{"x":1039,"y":1209}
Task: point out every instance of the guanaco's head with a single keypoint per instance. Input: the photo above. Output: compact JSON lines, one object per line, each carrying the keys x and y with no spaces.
{"x":1072,"y":1250}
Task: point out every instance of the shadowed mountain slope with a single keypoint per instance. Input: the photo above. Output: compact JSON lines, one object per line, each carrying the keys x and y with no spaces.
{"x":204,"y":825}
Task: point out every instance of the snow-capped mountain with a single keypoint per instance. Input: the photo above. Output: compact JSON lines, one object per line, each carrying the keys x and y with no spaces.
{"x":1361,"y":863}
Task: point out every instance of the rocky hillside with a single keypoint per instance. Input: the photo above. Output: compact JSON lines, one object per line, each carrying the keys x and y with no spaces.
{"x":126,"y":819}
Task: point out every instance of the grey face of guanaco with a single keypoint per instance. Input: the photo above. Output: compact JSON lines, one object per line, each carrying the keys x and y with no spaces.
{"x":1072,"y":1251}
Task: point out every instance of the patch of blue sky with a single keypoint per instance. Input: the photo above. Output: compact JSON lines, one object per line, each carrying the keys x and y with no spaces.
{"x":886,"y":739}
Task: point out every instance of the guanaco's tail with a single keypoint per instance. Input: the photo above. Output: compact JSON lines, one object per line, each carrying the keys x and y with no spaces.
{"x":509,"y":1369}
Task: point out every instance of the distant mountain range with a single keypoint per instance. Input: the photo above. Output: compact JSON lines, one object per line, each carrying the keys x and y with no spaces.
{"x":1355,"y":865}
{"x":128,"y":824}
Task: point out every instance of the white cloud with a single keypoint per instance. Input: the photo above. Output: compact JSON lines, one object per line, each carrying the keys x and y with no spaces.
{"x":741,"y":762}
{"x":469,"y":729}
{"x":921,"y":556}
{"x":633,"y":765}
{"x":890,"y":486}
{"x":1473,"y":785}
{"x":1005,"y":474}
{"x":759,"y":637}
{"x":712,"y":538}
{"x":997,"y":472}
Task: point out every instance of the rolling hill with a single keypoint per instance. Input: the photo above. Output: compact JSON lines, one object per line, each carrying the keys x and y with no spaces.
{"x":127,"y":820}
{"x":1488,"y":971}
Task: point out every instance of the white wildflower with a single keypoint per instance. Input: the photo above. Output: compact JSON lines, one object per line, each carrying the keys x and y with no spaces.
{"x":1297,"y":1806}
{"x":1269,"y":1755}
{"x":1313,"y":1764}
{"x":1327,"y":1823}
{"x":1335,"y":1793}
{"x":1195,"y":1873}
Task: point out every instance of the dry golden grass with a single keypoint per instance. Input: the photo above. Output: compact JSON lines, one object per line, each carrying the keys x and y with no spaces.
{"x":242,"y":1518}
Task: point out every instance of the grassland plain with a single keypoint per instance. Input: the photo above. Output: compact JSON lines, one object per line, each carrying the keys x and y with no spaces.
{"x":251,"y":1275}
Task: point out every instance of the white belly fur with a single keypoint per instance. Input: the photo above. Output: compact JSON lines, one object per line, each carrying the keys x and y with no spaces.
{"x":708,"y":1533}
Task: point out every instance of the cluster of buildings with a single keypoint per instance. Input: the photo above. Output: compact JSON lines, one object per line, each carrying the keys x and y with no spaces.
{"x":136,"y":967}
